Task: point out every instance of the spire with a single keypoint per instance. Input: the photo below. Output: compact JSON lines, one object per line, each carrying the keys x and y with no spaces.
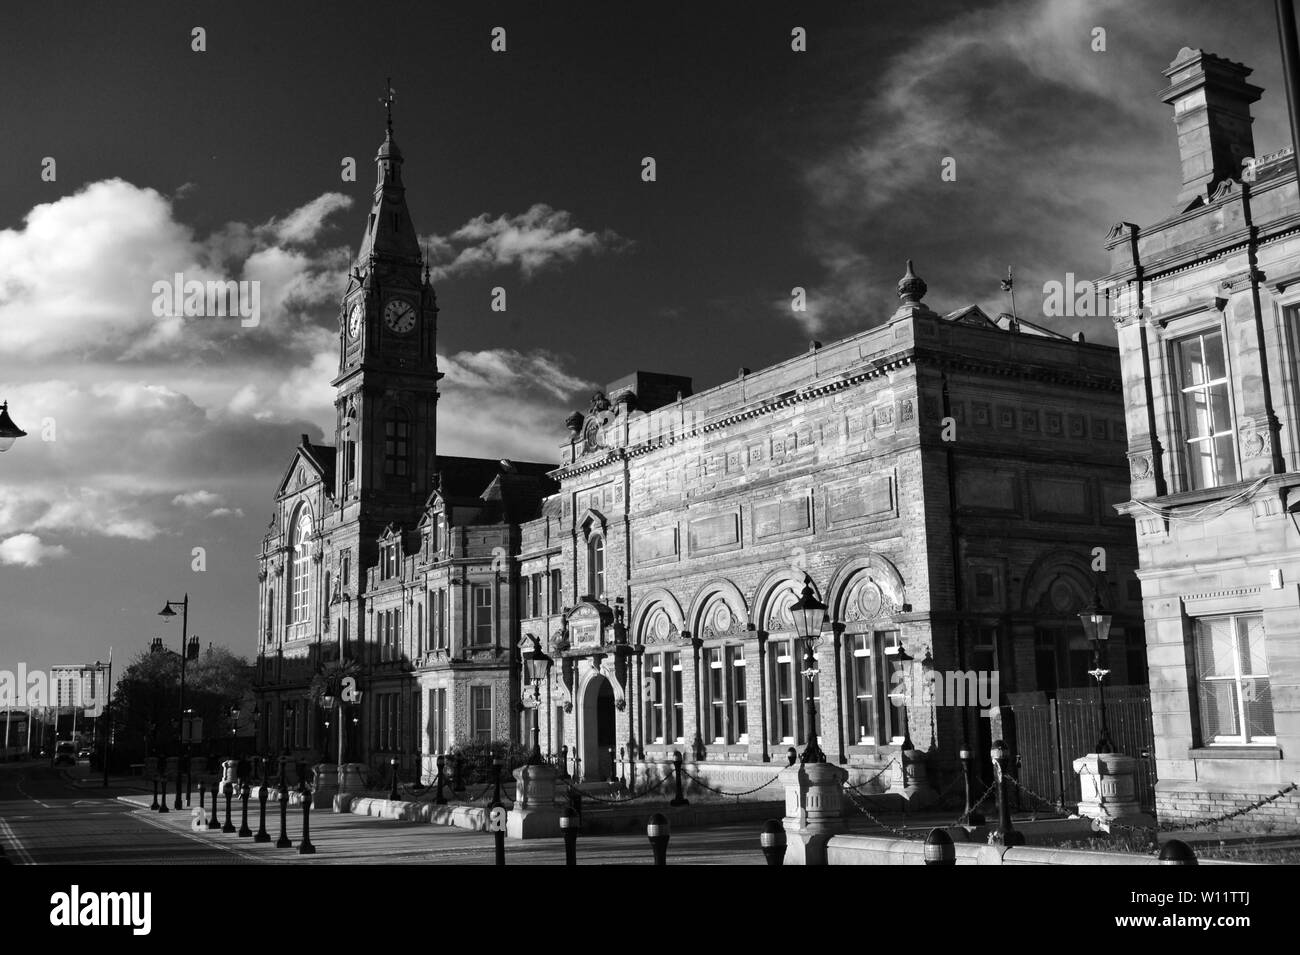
{"x":389,"y":230}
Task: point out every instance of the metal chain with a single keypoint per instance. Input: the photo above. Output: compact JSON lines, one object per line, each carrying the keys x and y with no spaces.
{"x":747,"y":792}
{"x":1232,"y":814}
{"x":853,"y":798}
{"x":858,"y":786}
{"x":961,"y":820}
{"x":614,"y":802}
{"x":1054,"y":807}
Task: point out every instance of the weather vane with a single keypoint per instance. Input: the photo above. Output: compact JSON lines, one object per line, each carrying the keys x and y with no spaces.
{"x":387,"y":100}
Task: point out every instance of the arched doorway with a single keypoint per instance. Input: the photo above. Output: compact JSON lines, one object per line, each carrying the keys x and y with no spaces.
{"x":596,"y":731}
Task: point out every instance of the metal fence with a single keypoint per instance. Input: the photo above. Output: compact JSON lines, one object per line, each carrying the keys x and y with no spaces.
{"x":1047,"y":736}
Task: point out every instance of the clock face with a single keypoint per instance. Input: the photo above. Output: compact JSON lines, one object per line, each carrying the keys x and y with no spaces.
{"x":399,"y":315}
{"x":354,"y":320}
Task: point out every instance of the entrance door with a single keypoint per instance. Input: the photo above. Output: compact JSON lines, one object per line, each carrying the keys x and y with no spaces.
{"x":597,"y":730}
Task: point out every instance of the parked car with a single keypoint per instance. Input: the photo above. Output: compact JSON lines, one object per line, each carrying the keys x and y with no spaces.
{"x":84,"y":754}
{"x":65,"y":755}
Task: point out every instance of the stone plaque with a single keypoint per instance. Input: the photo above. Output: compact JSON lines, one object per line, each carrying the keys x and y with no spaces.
{"x":1060,"y":497}
{"x":657,"y":544}
{"x":584,"y":627}
{"x":865,"y":498}
{"x":781,"y":517}
{"x":720,"y":532}
{"x":987,"y":489}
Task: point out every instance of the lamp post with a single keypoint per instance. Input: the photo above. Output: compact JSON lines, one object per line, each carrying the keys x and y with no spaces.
{"x":189,"y":651}
{"x":327,"y":704}
{"x":9,"y":432}
{"x":1096,"y":625}
{"x":536,"y":666}
{"x":809,"y":615}
{"x":234,"y":728}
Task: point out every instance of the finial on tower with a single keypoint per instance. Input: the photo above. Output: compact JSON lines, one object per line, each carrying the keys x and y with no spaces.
{"x":911,"y":287}
{"x":387,"y":100}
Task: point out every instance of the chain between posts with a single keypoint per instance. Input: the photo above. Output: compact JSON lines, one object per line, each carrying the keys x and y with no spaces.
{"x":866,"y":782}
{"x":902,"y":833}
{"x":615,"y":802}
{"x":747,"y":792}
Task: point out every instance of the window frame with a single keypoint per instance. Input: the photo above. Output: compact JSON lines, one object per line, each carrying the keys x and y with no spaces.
{"x":1181,"y":391}
{"x":476,"y":691}
{"x":481,"y":627}
{"x":1244,"y":737}
{"x":596,"y":565}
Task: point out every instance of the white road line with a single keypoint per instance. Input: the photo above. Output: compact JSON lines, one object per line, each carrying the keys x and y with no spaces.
{"x":19,"y":785}
{"x":8,"y":833}
{"x":144,"y":815}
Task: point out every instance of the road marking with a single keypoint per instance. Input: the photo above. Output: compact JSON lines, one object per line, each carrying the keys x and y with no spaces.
{"x":143,"y":816}
{"x":19,"y":786}
{"x":7,"y":831}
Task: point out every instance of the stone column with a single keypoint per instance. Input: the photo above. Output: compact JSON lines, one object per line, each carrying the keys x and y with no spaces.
{"x":535,"y":814}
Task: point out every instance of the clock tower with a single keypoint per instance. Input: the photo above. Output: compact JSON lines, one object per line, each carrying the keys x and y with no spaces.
{"x":386,"y":391}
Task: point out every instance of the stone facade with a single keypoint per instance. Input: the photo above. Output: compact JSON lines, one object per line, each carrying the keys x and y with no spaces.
{"x":1207,"y":307}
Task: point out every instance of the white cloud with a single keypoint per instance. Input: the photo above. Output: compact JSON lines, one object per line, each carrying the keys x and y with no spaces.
{"x":196,"y":499}
{"x":305,"y":223}
{"x":27,"y":550}
{"x":533,"y":240}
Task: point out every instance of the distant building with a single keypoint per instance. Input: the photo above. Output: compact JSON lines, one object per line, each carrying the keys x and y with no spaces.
{"x":1208,"y":314}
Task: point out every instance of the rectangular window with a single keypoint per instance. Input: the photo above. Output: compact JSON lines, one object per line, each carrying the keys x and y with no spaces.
{"x":656,"y":700}
{"x":862,"y":689}
{"x":679,"y":708}
{"x":555,"y":604}
{"x":715,"y":679}
{"x":1206,"y":409}
{"x":396,"y":437}
{"x":535,"y":589}
{"x":1232,"y":680}
{"x":895,"y":681}
{"x":783,"y":692}
{"x":525,"y":596}
{"x":739,"y":694}
{"x":481,"y":713}
{"x":438,"y":720}
{"x":442,"y":619}
{"x":482,"y":615}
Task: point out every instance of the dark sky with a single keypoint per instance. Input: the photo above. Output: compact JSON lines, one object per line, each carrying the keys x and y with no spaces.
{"x":775,"y":169}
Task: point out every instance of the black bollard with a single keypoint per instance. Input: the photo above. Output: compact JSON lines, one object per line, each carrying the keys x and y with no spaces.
{"x":1177,"y":852}
{"x":564,"y":762}
{"x":305,"y":848}
{"x":162,"y":789}
{"x":284,"y":842}
{"x":657,"y":832}
{"x":212,"y":820}
{"x":772,"y":839}
{"x":392,"y":793}
{"x":458,"y":780}
{"x":570,"y":826}
{"x":262,"y":834}
{"x":154,"y":805}
{"x":1006,"y":834}
{"x":178,"y":805}
{"x":228,"y":788}
{"x":939,"y":849}
{"x":244,"y":792}
{"x":439,"y":799}
{"x":679,"y":799}
{"x":971,"y":817}
{"x":497,"y":814}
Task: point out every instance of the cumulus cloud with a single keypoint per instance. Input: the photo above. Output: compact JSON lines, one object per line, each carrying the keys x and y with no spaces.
{"x":534,"y":240}
{"x":27,"y":550}
{"x":196,"y":499}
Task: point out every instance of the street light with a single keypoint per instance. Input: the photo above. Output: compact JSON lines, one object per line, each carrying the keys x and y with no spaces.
{"x":327,"y":704}
{"x":536,"y":667}
{"x":189,"y":651}
{"x":9,"y":432}
{"x":1096,"y":626}
{"x":809,"y":615}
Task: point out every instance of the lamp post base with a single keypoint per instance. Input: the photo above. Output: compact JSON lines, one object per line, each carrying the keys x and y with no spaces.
{"x":813,"y":810}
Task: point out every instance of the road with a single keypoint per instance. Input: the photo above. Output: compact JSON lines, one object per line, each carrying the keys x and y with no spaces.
{"x":45,"y":819}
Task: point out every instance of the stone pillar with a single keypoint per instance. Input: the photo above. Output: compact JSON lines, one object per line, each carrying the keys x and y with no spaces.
{"x":535,"y":814}
{"x":351,"y":777}
{"x":229,"y":768}
{"x":325,"y":785}
{"x":813,"y":810}
{"x":1109,"y":789}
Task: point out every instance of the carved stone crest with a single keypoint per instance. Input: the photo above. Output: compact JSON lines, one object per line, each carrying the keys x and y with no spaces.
{"x":1139,"y":466}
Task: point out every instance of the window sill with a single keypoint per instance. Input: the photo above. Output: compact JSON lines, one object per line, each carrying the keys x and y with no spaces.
{"x":1237,"y":751}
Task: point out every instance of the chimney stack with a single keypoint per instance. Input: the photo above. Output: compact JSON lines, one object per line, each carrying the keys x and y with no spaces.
{"x":1211,"y":101}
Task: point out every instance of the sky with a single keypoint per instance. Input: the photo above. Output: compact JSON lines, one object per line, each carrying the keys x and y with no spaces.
{"x":775,"y":168}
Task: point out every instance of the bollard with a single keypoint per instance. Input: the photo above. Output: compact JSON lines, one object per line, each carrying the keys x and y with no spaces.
{"x":189,"y":781}
{"x":162,"y":788}
{"x":622,"y":769}
{"x":679,"y":799}
{"x":439,"y":799}
{"x":458,"y":780}
{"x":284,"y":842}
{"x":154,"y":805}
{"x":213,"y":822}
{"x":772,"y":839}
{"x":497,"y":814}
{"x":244,"y":792}
{"x":1177,"y":852}
{"x":1006,"y":834}
{"x":791,"y":756}
{"x":657,"y":832}
{"x":262,"y":834}
{"x":178,"y":805}
{"x":570,"y":826}
{"x":305,"y":848}
{"x":392,"y":793}
{"x":564,"y":762}
{"x":939,"y":849}
{"x":972,"y":817}
{"x":228,"y":788}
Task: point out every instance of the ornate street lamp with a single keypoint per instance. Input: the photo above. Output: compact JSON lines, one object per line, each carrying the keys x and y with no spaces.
{"x":809,"y":616}
{"x":537,"y":666}
{"x":189,"y":651}
{"x":327,"y":703}
{"x":1096,"y":626}
{"x":9,"y":432}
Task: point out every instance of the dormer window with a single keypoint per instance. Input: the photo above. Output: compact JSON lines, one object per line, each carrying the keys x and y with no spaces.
{"x":388,"y":561}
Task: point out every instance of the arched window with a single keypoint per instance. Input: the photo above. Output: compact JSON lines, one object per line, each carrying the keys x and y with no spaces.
{"x":397,"y":443}
{"x":301,"y":568}
{"x":596,"y":565}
